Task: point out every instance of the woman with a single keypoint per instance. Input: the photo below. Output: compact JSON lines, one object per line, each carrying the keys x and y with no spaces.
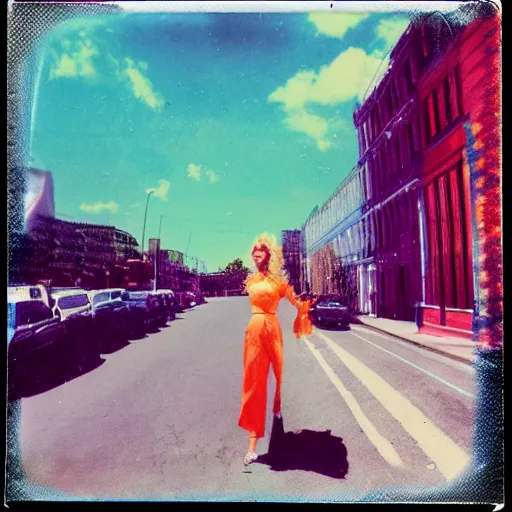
{"x":264,"y":339}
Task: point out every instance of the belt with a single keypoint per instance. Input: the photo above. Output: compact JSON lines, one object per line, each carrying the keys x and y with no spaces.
{"x":262,"y":313}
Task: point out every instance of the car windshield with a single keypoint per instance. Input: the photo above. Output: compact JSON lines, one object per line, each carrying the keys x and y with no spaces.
{"x":136,"y":297}
{"x":73,"y":301}
{"x":330,"y":302}
{"x":101,"y":297}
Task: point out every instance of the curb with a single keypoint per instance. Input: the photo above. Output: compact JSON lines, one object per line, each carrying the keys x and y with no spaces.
{"x":421,"y":345}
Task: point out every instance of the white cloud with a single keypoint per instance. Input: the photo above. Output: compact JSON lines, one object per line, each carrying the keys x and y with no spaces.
{"x":194,"y":172}
{"x":338,"y":82}
{"x":344,"y":79}
{"x":390,"y":30}
{"x":140,"y":85}
{"x":335,"y":24}
{"x":77,"y":59}
{"x":214,"y":178}
{"x":99,"y":207}
{"x":161,"y":191}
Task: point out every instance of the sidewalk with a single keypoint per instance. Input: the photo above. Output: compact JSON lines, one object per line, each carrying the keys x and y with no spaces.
{"x":450,"y":346}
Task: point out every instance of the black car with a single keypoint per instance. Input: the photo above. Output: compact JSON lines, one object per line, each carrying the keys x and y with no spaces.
{"x":330,"y":310}
{"x":110,"y":314}
{"x":162,"y":306}
{"x":171,"y":303}
{"x":32,"y":330}
{"x":145,"y":311}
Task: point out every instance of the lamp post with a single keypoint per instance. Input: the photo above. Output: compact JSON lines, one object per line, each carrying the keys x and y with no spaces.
{"x":145,"y":217}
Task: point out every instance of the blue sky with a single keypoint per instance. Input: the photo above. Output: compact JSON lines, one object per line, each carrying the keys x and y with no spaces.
{"x":240,"y":123}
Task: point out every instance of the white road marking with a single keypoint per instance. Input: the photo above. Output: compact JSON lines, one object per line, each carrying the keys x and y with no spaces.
{"x":441,"y":449}
{"x":411,"y":346}
{"x":430,"y":374}
{"x":383,"y":446}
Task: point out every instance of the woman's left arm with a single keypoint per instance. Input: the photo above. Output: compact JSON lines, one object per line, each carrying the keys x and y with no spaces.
{"x":302,"y":324}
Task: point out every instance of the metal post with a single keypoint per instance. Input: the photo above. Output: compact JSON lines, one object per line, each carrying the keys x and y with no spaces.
{"x":157,"y":255}
{"x":145,"y":217}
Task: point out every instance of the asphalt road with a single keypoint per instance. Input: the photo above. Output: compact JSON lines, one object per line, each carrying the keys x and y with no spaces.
{"x":156,"y":419}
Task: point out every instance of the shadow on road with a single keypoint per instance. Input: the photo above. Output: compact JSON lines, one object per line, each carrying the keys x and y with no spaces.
{"x":48,"y":372}
{"x":113,"y":344}
{"x":306,"y":450}
{"x":325,"y":327}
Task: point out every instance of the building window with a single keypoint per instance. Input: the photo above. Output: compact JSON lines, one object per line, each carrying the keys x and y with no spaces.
{"x":396,"y":151}
{"x":448,"y":275}
{"x":408,"y":78}
{"x":447,"y":99}
{"x":395,"y":103}
{"x":425,"y":114}
{"x":410,"y":147}
{"x":435,"y":121}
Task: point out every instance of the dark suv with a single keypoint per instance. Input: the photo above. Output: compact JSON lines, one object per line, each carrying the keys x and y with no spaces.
{"x":31,"y":329}
{"x":145,"y":311}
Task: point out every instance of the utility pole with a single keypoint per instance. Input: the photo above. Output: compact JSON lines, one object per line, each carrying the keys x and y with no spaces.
{"x":157,"y":254}
{"x":145,"y":217}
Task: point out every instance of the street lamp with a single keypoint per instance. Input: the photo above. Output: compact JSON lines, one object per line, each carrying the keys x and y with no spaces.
{"x":145,"y":217}
{"x":160,"y":225}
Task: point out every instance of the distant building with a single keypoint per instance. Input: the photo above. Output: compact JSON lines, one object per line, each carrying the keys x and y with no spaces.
{"x":292,"y":249}
{"x":68,"y":253}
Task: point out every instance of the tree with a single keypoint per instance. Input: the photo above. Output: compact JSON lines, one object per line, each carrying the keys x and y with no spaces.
{"x":236,"y":273}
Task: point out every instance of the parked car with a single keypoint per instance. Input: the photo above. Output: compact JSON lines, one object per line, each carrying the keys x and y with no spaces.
{"x":73,"y":307}
{"x":190,"y":299}
{"x":171,"y":303}
{"x":200,"y":298}
{"x":162,"y":305}
{"x":186,"y":300}
{"x":330,"y":310}
{"x":31,"y":330}
{"x":110,"y":314}
{"x":145,"y":311}
{"x":29,"y":292}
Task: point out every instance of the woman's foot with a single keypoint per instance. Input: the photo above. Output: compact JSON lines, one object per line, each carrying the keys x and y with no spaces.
{"x":250,"y":457}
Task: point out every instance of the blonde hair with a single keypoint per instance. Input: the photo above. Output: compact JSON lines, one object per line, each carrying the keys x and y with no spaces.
{"x":276,"y":261}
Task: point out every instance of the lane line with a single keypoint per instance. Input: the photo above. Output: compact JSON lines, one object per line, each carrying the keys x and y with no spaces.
{"x":430,"y":374}
{"x":433,"y":353}
{"x":449,"y":458}
{"x":383,"y":446}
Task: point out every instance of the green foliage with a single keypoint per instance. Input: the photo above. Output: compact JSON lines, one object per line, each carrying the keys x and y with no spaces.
{"x":236,"y":273}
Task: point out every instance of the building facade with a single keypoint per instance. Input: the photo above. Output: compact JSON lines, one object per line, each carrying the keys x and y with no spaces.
{"x":337,"y":240}
{"x":389,"y":154}
{"x":77,"y":254}
{"x":456,"y":86}
{"x":291,"y":244}
{"x":416,"y":136}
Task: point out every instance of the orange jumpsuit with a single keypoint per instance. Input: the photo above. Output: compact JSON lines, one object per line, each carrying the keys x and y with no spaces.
{"x":263,"y":346}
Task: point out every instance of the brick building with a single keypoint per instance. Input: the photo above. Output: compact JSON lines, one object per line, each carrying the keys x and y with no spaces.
{"x":416,"y":136}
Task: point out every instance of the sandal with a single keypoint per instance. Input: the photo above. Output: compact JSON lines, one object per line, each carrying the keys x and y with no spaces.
{"x":250,"y":457}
